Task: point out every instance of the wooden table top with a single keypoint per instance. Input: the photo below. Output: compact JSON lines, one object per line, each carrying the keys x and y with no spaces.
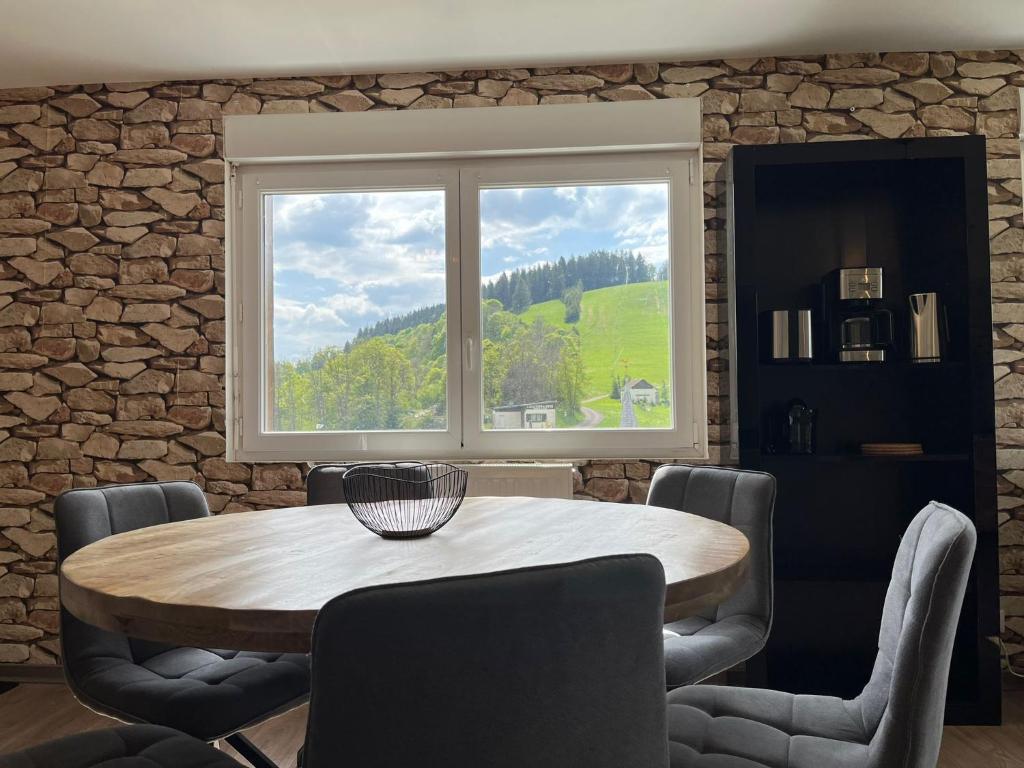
{"x":255,"y":581}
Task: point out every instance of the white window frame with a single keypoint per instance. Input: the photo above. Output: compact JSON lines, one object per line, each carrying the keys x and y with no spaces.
{"x":255,"y":285}
{"x":372,"y":154}
{"x":686,"y":317}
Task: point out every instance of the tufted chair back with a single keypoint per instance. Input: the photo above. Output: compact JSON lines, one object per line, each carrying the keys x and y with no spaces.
{"x":85,"y":515}
{"x":904,"y":701}
{"x":323,"y":483}
{"x":740,"y":498}
{"x":544,"y":667}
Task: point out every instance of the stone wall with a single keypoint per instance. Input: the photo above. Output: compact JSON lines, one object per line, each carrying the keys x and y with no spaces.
{"x":112,"y":267}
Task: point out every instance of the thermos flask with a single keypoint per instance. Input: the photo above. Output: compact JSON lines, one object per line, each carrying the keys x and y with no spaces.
{"x":791,"y":335}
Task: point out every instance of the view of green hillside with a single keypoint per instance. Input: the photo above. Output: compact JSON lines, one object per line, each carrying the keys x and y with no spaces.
{"x":565,"y":360}
{"x":625,"y":325}
{"x":623,"y":332}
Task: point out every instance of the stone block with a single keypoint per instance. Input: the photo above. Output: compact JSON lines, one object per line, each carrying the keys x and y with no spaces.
{"x":608,"y":489}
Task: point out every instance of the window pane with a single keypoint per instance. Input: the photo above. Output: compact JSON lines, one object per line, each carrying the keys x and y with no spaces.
{"x":575,"y":307}
{"x":357,"y":328}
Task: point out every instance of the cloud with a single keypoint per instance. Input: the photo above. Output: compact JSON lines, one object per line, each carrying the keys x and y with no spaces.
{"x":343,"y":261}
{"x":344,"y":236}
{"x":299,"y":328}
{"x":289,"y":208}
{"x":523,"y":226}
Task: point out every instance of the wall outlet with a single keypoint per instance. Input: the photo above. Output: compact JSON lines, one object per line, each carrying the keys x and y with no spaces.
{"x":1002,"y":621}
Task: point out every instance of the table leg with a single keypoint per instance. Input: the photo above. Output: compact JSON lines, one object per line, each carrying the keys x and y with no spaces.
{"x":249,"y":751}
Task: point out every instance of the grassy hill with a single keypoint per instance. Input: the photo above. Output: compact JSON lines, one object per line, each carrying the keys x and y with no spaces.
{"x":622,"y":329}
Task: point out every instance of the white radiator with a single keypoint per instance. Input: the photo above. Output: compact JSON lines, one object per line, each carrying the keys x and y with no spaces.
{"x":549,"y":481}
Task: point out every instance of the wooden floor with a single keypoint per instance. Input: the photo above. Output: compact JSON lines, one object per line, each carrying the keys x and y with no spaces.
{"x":30,"y":714}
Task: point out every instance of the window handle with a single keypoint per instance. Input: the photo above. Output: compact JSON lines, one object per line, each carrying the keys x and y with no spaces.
{"x":467,"y":354}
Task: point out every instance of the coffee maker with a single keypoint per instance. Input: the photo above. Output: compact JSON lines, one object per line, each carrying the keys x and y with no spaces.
{"x":860,"y":329}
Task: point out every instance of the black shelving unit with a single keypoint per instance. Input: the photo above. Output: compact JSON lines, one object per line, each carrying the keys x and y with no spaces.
{"x":918,"y":209}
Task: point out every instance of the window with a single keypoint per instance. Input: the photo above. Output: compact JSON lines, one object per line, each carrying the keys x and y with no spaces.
{"x":575,"y":306}
{"x":357,"y":301}
{"x":541,"y":306}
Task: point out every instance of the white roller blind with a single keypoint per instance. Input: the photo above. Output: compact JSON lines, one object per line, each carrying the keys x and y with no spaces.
{"x":663,"y":124}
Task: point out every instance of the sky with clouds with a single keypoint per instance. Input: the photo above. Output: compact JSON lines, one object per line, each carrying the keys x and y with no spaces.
{"x":342,"y":261}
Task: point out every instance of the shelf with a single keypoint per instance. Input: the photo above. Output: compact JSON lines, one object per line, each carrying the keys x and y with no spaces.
{"x":857,"y":457}
{"x":794,"y":579}
{"x":916,"y":209}
{"x":891,"y":366}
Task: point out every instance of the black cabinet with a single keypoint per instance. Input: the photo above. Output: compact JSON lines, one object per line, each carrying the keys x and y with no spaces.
{"x":918,"y":209}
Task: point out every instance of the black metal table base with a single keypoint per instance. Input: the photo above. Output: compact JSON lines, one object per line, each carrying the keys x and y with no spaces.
{"x":250,"y":751}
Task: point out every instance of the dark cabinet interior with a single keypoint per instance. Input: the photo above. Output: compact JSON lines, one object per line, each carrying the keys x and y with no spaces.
{"x":917,"y":209}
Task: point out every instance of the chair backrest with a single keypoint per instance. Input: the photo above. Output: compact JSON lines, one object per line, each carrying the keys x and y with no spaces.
{"x":543,"y":667}
{"x":740,"y":498}
{"x":903,"y":703}
{"x":85,"y":515}
{"x":323,"y":483}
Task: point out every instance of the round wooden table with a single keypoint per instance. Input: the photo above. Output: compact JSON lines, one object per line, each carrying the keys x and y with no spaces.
{"x":255,"y":581}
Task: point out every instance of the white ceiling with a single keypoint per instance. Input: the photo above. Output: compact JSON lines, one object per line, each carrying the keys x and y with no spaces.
{"x":47,"y":42}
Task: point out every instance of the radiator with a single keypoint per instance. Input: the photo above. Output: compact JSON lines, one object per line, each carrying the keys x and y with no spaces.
{"x":549,"y":481}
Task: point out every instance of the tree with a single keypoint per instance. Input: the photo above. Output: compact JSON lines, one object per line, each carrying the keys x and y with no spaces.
{"x":521,"y":300}
{"x":494,"y":368}
{"x":291,"y":399}
{"x":503,"y":291}
{"x":573,"y":298}
{"x":571,"y":376}
{"x":558,"y":283}
{"x":392,"y":325}
{"x":531,"y":355}
{"x":548,"y":280}
{"x":383,"y":385}
{"x":432,"y":393}
{"x":616,"y":393}
{"x":337,"y":382}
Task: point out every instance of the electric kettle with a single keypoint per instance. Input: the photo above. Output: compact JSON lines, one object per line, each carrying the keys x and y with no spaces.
{"x":929,"y":328}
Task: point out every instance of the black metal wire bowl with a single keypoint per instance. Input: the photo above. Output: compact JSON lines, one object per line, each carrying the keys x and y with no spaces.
{"x":406,"y":500}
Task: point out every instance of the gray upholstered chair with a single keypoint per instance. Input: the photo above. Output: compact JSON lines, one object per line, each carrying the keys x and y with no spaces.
{"x":208,"y":694}
{"x":323,"y":483}
{"x":721,"y":637}
{"x":133,"y":746}
{"x":895,"y":723}
{"x":546,"y":667}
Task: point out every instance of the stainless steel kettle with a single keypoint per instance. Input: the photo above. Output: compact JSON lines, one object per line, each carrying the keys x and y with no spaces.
{"x":928,"y":328}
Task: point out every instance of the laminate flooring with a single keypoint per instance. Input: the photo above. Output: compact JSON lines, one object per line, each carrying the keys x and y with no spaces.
{"x":33,"y":713}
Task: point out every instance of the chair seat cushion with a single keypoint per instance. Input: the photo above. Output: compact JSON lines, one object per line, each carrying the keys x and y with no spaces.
{"x":207,"y":694}
{"x":133,"y":746}
{"x":697,"y":648}
{"x":718,"y":727}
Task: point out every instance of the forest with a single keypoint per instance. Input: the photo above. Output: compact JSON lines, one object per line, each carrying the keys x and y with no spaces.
{"x":393,"y":374}
{"x":518,"y":289}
